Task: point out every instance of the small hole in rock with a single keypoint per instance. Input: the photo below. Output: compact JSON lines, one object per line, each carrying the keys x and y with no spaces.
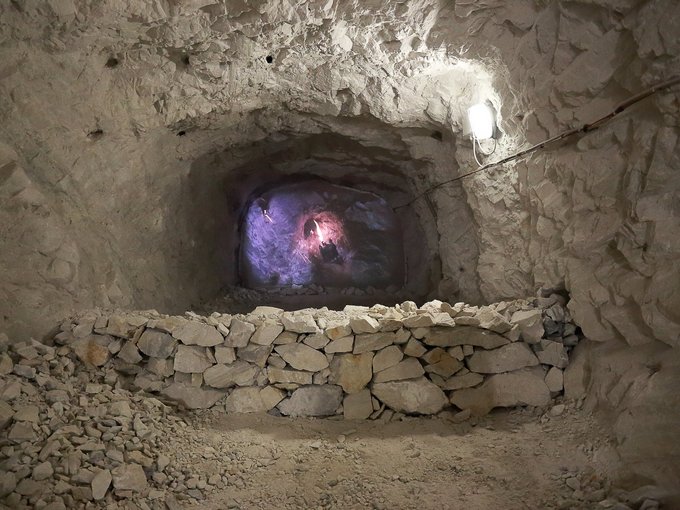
{"x":181,"y":133}
{"x":437,"y":135}
{"x":185,"y":60}
{"x":112,"y":62}
{"x":269,"y":59}
{"x":96,"y":134}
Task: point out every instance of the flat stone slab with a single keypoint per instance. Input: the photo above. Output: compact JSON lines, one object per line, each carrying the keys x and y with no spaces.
{"x":197,"y":333}
{"x":239,"y":373}
{"x":192,"y":397}
{"x":410,"y":368}
{"x":418,"y":396}
{"x":191,"y":360}
{"x":352,"y":371}
{"x":504,"y":359}
{"x":524,"y":387}
{"x":464,"y":335}
{"x":156,"y":343}
{"x":322,"y":400}
{"x":302,"y":357}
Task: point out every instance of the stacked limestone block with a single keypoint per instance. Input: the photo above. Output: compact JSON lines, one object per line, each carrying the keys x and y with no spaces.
{"x":357,"y":362}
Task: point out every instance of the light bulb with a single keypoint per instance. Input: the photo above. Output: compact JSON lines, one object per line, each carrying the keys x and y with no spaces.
{"x":482,"y":121}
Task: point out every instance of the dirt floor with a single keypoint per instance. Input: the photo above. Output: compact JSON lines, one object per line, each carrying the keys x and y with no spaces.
{"x":517,"y":459}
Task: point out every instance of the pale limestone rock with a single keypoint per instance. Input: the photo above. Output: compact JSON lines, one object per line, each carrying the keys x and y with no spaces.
{"x":456,"y":352}
{"x":401,"y":336}
{"x":287,"y":337}
{"x":504,"y":359}
{"x":551,"y":353}
{"x":6,"y":414}
{"x":299,"y":322}
{"x":92,"y":350}
{"x":276,"y":361}
{"x":239,"y":333}
{"x":433,"y":306}
{"x":530,"y":323}
{"x":364,"y":324}
{"x":161,"y":367}
{"x":253,"y":399}
{"x":467,"y":320}
{"x":468,"y":350}
{"x":42,"y":471}
{"x":454,"y":310}
{"x":271,"y":396}
{"x":129,"y":477}
{"x":156,"y":343}
{"x":316,"y":341}
{"x":124,"y":326}
{"x":336,"y":329}
{"x":191,"y":332}
{"x":418,"y":396}
{"x":277,"y":375}
{"x":463,"y":381}
{"x":312,"y":401}
{"x":443,"y":319}
{"x":358,"y":406}
{"x":343,"y":344}
{"x":421,"y":320}
{"x":372,"y":342}
{"x":225,"y":355}
{"x":554,"y":379}
{"x":129,"y":353}
{"x":391,"y":324}
{"x":386,"y":358}
{"x":254,"y":353}
{"x":100,"y":484}
{"x":434,"y":355}
{"x":352,"y":371}
{"x":523,"y":387}
{"x":492,"y":320}
{"x":192,"y":397}
{"x":239,"y":373}
{"x":6,"y":364}
{"x":267,"y":311}
{"x":120,"y":408}
{"x":414,"y":348}
{"x":302,"y":357}
{"x":8,"y":482}
{"x":27,"y":413}
{"x":409,"y":368}
{"x":191,"y":359}
{"x":445,"y":367}
{"x":266,"y":333}
{"x":464,"y":335}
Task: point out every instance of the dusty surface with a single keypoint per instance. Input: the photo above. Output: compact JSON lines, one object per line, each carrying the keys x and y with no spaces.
{"x":509,"y":460}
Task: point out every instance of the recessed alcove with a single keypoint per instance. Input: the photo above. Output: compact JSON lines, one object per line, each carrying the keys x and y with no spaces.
{"x":317,"y":233}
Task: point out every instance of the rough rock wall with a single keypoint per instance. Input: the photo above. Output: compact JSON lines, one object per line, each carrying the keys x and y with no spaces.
{"x":598,"y":217}
{"x":109,"y":105}
{"x":95,"y":96}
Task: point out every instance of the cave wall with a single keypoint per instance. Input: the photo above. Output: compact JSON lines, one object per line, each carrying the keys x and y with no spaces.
{"x":108,"y":108}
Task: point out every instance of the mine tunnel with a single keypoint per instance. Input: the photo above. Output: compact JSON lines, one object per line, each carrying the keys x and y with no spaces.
{"x":340,"y":254}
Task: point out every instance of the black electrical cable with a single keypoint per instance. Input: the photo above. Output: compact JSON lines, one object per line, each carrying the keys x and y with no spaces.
{"x":585,"y":128}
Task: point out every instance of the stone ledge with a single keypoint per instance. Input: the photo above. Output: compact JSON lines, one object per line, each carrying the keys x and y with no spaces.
{"x":318,"y":362}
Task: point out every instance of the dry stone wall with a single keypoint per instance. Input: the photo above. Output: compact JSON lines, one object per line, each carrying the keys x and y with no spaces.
{"x":360,"y":362}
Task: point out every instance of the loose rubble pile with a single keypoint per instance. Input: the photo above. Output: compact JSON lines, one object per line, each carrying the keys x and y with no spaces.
{"x":358,"y":363}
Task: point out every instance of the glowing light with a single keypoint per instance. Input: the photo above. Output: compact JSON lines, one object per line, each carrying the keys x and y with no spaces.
{"x":319,"y":234}
{"x":482,"y":121}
